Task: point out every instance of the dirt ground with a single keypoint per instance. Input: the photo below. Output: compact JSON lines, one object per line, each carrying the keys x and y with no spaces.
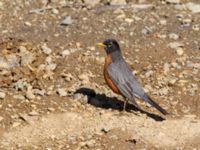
{"x":52,"y":91}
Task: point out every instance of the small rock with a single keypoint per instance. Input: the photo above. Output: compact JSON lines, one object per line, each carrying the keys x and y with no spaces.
{"x":61,"y":92}
{"x":2,"y":95}
{"x":196,"y":27}
{"x":1,"y":118}
{"x":16,"y":124}
{"x":65,"y":53}
{"x":33,"y":113}
{"x":28,"y":24}
{"x":46,"y":49}
{"x":92,"y":3}
{"x":118,"y":2}
{"x":90,"y":143}
{"x":148,"y":73}
{"x":82,"y":98}
{"x":146,"y":31}
{"x":129,"y":20}
{"x":173,"y":36}
{"x":20,"y":97}
{"x":179,"y":51}
{"x":105,"y":129}
{"x":55,"y":11}
{"x":50,"y":109}
{"x":194,"y":7}
{"x":26,"y":56}
{"x":67,"y":21}
{"x":84,"y":78}
{"x":186,"y":22}
{"x":175,"y":45}
{"x":163,"y":22}
{"x":166,"y":68}
{"x":67,"y":76}
{"x":172,"y":81}
{"x":163,"y":91}
{"x":173,"y":1}
{"x":29,"y":94}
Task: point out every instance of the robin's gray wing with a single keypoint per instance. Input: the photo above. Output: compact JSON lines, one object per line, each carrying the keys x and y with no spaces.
{"x":121,"y":75}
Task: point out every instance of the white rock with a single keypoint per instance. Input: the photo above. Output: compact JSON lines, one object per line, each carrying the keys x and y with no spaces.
{"x":62,"y":92}
{"x":118,"y":2}
{"x":175,"y":45}
{"x":33,"y":113}
{"x":195,"y":8}
{"x":92,"y":2}
{"x":166,"y":68}
{"x":179,"y":51}
{"x":173,"y":36}
{"x":46,"y":49}
{"x":84,"y":78}
{"x":67,"y":21}
{"x":2,"y":95}
{"x":173,"y":1}
{"x":29,"y":94}
{"x":65,"y":53}
{"x":28,"y":24}
{"x":1,"y":118}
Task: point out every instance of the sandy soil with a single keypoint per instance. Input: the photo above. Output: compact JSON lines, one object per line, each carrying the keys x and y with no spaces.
{"x":53,"y":95}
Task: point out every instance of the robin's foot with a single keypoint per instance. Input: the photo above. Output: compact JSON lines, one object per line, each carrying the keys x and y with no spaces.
{"x":124,"y":107}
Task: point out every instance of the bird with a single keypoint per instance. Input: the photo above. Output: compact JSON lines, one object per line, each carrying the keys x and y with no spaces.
{"x":119,"y":77}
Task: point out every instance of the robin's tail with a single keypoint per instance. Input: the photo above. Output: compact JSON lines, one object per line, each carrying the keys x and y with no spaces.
{"x":154,"y":104}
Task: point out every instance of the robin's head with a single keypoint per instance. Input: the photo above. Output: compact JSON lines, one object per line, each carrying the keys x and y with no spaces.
{"x":110,"y":45}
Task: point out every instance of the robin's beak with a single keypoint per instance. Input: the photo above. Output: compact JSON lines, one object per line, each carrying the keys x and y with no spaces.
{"x":101,"y":44}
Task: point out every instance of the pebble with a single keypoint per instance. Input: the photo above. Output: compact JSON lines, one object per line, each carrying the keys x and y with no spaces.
{"x":82,"y":98}
{"x":46,"y":49}
{"x":29,"y":94}
{"x":173,"y":1}
{"x":146,"y":31}
{"x":33,"y":113}
{"x":16,"y":124}
{"x":20,"y":97}
{"x":55,"y":11}
{"x":194,"y":7}
{"x":179,"y":51}
{"x":67,"y":21}
{"x":163,"y":91}
{"x":196,"y":27}
{"x":166,"y":68}
{"x":28,"y":24}
{"x":2,"y":95}
{"x":84,"y":78}
{"x":118,"y":2}
{"x":61,"y":92}
{"x":90,"y":143}
{"x":173,"y":36}
{"x":65,"y":53}
{"x":51,"y":109}
{"x":1,"y":118}
{"x":92,"y":3}
{"x":25,"y":56}
{"x":175,"y":45}
{"x":105,"y":129}
{"x":186,"y":22}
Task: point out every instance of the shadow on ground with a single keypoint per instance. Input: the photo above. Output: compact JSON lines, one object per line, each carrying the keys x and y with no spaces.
{"x":102,"y":101}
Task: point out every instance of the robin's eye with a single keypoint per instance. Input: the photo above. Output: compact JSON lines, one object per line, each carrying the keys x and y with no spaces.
{"x":109,"y":45}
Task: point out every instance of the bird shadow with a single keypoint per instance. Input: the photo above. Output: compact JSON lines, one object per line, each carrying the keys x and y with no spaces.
{"x":102,"y":101}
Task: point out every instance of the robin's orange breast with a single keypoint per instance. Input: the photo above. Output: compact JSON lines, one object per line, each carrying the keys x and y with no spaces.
{"x":110,"y":83}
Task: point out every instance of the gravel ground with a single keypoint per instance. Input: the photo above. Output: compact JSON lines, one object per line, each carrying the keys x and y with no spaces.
{"x":52,"y":91}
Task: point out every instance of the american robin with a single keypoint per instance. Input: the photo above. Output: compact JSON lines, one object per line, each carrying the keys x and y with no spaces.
{"x":120,"y":79}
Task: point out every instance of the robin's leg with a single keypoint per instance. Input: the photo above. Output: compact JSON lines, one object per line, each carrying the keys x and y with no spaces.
{"x":125,"y":102}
